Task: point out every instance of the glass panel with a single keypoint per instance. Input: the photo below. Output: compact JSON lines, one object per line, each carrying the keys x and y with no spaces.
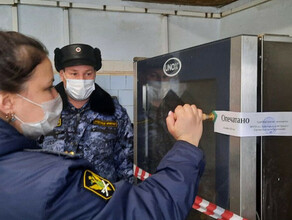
{"x":204,"y":81}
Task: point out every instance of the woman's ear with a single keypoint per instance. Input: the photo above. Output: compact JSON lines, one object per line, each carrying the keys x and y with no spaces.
{"x":6,"y":102}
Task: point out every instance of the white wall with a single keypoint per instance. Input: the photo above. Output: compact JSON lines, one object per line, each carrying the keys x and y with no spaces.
{"x":44,"y":23}
{"x":5,"y":17}
{"x":274,"y":17}
{"x":186,"y":32}
{"x":120,"y":36}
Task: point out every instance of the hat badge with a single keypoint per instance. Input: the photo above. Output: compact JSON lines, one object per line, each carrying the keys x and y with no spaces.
{"x":78,"y":49}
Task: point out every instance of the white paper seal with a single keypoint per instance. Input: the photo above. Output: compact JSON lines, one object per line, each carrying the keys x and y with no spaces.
{"x":246,"y":124}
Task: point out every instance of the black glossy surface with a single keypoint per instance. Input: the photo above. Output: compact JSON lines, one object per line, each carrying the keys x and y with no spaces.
{"x":204,"y":81}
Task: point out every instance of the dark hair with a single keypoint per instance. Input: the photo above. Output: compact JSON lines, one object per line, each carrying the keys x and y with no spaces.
{"x":19,"y":56}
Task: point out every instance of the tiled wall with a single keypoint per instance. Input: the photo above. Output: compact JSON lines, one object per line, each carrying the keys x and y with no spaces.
{"x":120,"y":86}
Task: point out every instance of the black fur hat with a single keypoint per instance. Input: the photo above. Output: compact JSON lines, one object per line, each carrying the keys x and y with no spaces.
{"x":77,"y":54}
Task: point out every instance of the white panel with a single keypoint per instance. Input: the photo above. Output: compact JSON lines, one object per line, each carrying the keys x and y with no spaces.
{"x":126,"y":97}
{"x":120,"y":36}
{"x":130,"y":111}
{"x":5,"y":17}
{"x":43,"y":23}
{"x":104,"y":81}
{"x":186,"y":32}
{"x":273,"y":17}
{"x":118,"y":82}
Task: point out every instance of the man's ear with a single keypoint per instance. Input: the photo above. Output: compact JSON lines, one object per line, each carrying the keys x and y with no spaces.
{"x":61,"y":73}
{"x":6,"y":102}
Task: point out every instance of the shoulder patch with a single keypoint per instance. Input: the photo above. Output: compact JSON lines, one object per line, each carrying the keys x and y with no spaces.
{"x":105,"y":123}
{"x":98,"y":185}
{"x":59,"y":122}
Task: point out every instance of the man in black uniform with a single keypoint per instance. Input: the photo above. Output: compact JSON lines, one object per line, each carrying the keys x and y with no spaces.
{"x":93,"y":124}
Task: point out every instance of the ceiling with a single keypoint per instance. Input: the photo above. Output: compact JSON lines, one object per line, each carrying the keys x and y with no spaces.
{"x":210,"y":3}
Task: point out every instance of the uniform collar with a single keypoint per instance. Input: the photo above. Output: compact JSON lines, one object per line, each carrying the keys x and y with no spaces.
{"x":100,"y":101}
{"x":73,"y":109}
{"x":11,"y":140}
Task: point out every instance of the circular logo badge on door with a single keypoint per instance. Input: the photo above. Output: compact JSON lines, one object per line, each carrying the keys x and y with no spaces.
{"x":172,"y":66}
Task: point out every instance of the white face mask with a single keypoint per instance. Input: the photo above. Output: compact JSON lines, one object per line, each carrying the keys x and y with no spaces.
{"x":79,"y":89}
{"x":52,"y":111}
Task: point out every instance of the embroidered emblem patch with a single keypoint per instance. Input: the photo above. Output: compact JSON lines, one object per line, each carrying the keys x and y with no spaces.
{"x":105,"y":123}
{"x":98,"y":185}
{"x":59,"y":122}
